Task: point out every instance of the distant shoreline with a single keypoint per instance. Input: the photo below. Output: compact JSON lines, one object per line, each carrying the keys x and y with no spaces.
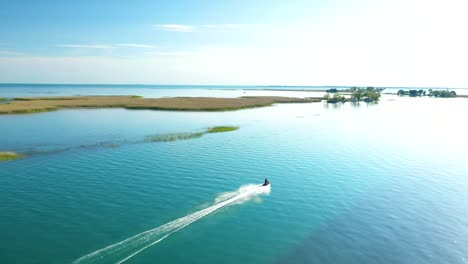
{"x":215,"y":86}
{"x":289,"y":90}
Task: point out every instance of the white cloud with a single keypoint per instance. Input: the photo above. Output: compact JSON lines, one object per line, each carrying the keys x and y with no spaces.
{"x":128,"y":45}
{"x":197,"y":28}
{"x":174,"y":27}
{"x":138,"y":46}
{"x":86,"y":46}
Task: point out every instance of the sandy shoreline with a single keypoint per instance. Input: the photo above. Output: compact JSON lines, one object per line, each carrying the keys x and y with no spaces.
{"x":42,"y":104}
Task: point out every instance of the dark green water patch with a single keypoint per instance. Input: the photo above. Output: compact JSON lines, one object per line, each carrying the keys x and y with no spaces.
{"x":52,"y":149}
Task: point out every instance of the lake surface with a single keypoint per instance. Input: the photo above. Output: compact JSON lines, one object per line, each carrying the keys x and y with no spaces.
{"x":153,"y":91}
{"x":374,"y":183}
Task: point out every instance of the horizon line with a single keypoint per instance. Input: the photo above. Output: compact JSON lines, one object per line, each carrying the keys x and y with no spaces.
{"x":228,"y":85}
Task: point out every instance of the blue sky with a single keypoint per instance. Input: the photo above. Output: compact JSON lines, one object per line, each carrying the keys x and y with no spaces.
{"x":337,"y":42}
{"x":38,"y":27}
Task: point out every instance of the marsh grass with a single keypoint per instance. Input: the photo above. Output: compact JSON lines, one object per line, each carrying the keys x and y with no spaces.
{"x":169,"y":137}
{"x":6,"y":156}
{"x":42,"y":104}
{"x":220,"y":129}
{"x":173,"y":137}
{"x":44,"y":98}
{"x":31,"y":110}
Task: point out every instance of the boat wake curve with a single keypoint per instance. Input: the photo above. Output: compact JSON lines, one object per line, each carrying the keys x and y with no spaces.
{"x":126,"y":249}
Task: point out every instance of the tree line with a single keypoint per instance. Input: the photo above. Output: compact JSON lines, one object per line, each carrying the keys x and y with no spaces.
{"x":430,"y":92}
{"x":366,"y":94}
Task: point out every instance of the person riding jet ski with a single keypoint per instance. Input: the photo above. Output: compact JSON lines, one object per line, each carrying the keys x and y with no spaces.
{"x":266,"y":182}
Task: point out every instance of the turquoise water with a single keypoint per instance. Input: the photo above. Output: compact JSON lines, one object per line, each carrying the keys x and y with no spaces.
{"x":383,"y":183}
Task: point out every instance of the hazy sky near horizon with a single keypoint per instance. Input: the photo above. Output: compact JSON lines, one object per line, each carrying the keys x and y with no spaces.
{"x":256,"y":42}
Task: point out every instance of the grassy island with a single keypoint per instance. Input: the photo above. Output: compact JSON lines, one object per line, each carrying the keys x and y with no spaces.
{"x":42,"y":104}
{"x":220,"y":129}
{"x":6,"y":156}
{"x":187,"y":135}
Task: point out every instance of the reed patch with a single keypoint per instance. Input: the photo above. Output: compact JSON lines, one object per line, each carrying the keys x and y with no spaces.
{"x":6,"y":156}
{"x":221,"y":129}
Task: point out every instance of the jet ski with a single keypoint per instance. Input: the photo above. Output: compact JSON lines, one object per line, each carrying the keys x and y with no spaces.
{"x":266,"y":183}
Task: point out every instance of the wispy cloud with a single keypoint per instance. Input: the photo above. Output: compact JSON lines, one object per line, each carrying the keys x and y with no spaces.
{"x":197,"y":28}
{"x":174,"y":27}
{"x":86,"y":46}
{"x":108,"y":46}
{"x":132,"y":45}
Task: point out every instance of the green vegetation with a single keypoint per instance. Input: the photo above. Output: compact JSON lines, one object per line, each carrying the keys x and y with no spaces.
{"x":187,"y":135}
{"x":172,"y":137}
{"x":136,"y":96}
{"x":442,"y":93}
{"x":334,"y":99}
{"x":169,"y":137}
{"x":412,"y":93}
{"x":355,"y":89}
{"x":6,"y":156}
{"x":31,"y":110}
{"x":219,"y":129}
{"x":369,"y":95}
{"x":42,"y":98}
{"x":182,"y":109}
{"x":333,"y":90}
{"x":434,"y":93}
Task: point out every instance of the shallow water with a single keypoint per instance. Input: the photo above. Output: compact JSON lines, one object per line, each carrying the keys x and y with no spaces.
{"x":382,"y":183}
{"x":154,"y":91}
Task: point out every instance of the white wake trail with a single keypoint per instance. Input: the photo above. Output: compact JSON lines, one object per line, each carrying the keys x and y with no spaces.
{"x":122,"y":251}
